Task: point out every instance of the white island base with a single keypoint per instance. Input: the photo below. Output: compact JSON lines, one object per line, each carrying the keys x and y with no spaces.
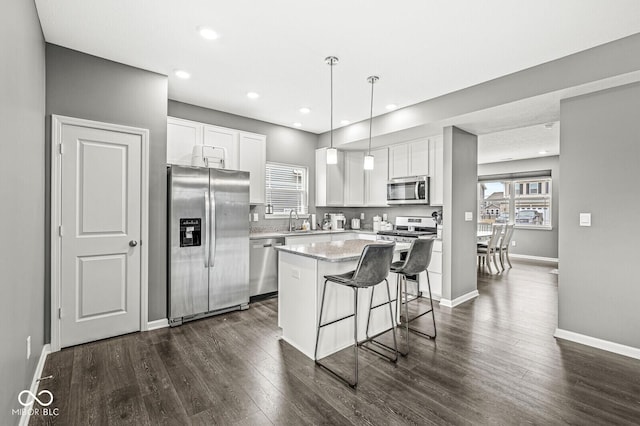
{"x":301,"y":271}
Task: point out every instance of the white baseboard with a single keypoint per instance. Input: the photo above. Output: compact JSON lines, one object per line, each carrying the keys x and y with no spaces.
{"x":154,"y":325}
{"x":538,"y":258}
{"x":459,"y":300}
{"x":46,"y":350}
{"x":598,"y":343}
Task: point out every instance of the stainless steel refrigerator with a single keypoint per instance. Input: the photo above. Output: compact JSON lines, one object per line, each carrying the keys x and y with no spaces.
{"x":208,"y":242}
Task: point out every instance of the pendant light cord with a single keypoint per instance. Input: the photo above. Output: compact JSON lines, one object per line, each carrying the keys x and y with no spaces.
{"x":331,"y":115}
{"x":371,"y":80}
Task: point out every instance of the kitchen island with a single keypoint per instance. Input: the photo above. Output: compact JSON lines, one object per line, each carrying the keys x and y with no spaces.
{"x":301,"y":271}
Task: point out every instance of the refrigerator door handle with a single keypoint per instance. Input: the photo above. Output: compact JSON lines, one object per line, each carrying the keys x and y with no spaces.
{"x":212,"y":230}
{"x":206,"y":228}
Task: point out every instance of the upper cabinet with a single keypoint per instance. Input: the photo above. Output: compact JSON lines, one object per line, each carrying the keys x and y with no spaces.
{"x":353,"y":178}
{"x":375,"y":181}
{"x":182,"y":135}
{"x":253,"y":159}
{"x":436,"y":169}
{"x":329,"y":180}
{"x":409,"y":159}
{"x":227,"y":139}
{"x":242,"y":150}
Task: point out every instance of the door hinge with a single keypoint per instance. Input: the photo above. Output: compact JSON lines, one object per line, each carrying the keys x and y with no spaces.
{"x":60,"y":149}
{"x":60,"y":230}
{"x":59,"y":313}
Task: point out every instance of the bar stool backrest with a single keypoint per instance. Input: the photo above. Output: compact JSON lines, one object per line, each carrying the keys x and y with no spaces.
{"x":373,"y":266}
{"x":418,"y":258}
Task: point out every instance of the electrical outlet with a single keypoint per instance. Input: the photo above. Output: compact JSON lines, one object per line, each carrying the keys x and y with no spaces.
{"x":255,"y":217}
{"x":513,"y":243}
{"x":28,"y":347}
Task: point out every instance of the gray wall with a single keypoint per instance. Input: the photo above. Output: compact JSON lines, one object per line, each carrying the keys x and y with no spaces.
{"x":598,"y":288}
{"x":458,"y":235}
{"x":22,"y":216}
{"x":85,"y":86}
{"x":533,"y":242}
{"x":284,"y":145}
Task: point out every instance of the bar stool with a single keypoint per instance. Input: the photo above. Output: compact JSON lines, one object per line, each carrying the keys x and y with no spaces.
{"x":417,"y":261}
{"x":373,"y":268}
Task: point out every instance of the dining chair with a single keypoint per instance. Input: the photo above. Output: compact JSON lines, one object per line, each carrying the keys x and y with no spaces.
{"x":505,"y":243}
{"x":487,"y":252}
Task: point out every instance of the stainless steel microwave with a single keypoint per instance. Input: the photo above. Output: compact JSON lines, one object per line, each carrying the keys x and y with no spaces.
{"x":411,"y":190}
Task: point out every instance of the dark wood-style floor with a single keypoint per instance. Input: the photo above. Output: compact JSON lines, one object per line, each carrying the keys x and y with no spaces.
{"x":495,"y":361}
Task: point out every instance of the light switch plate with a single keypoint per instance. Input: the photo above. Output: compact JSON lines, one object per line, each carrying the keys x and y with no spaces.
{"x":255,"y":217}
{"x":585,"y":219}
{"x":468,"y":216}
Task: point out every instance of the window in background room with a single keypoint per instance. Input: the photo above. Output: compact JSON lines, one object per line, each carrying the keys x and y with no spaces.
{"x":286,"y":188}
{"x":528,"y":205}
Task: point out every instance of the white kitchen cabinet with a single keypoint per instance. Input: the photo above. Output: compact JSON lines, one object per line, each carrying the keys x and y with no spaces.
{"x":436,"y":172}
{"x":399,"y":160}
{"x":182,"y":135}
{"x":409,"y":159}
{"x":329,"y":180}
{"x":228,"y":139}
{"x":435,"y":272}
{"x":253,"y":158}
{"x":375,"y":182}
{"x":354,"y":178}
{"x":244,"y":151}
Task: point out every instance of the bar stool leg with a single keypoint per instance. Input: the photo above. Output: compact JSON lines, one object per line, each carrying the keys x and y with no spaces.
{"x":315,"y":352}
{"x":371,"y":339}
{"x":406,"y":312}
{"x":355,"y":334}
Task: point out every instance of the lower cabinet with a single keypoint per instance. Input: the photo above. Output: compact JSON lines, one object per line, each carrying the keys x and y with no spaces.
{"x":435,"y":271}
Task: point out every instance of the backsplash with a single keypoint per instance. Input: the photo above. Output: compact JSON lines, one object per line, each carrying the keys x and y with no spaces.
{"x":267,"y":225}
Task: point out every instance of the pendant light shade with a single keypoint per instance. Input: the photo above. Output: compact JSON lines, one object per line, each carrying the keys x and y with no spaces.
{"x":368,"y":162}
{"x":368,"y":159}
{"x":332,"y":153}
{"x":332,"y":156}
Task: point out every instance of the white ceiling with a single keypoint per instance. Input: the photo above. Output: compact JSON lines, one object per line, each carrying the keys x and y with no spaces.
{"x":420,"y":48}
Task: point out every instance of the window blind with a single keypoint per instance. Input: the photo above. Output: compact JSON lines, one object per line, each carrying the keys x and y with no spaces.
{"x":286,"y":188}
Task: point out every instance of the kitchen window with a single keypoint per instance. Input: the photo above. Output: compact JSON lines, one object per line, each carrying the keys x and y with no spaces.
{"x":287,"y":188}
{"x":528,"y":205}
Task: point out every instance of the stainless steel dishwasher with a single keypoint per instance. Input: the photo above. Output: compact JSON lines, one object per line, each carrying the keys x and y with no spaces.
{"x":263,"y":270}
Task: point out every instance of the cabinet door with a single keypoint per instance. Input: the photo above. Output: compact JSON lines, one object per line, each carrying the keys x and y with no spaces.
{"x":354,"y":178}
{"x":399,"y":161}
{"x":221,"y":137}
{"x":335,"y":182}
{"x":376,"y":179}
{"x":253,"y":159}
{"x":182,"y":135}
{"x":329,"y":180}
{"x":419,"y":158}
{"x":436,"y":163}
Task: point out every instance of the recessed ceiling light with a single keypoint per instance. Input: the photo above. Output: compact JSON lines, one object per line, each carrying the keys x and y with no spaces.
{"x":391,"y":106}
{"x":296,"y":124}
{"x":207,"y":33}
{"x":305,"y":110}
{"x":182,"y":74}
{"x":345,"y":122}
{"x":507,"y":159}
{"x":252,"y":95}
{"x":543,"y":152}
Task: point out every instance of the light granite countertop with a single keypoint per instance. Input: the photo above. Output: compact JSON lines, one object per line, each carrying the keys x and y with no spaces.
{"x":335,"y":251}
{"x":276,"y":234}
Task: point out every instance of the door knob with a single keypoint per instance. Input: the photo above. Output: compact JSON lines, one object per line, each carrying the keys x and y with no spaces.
{"x":133,"y":243}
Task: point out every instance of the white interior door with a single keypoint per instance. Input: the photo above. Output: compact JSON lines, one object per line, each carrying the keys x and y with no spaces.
{"x":100,"y":202}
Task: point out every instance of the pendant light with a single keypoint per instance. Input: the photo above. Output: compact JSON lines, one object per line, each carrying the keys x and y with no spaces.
{"x":332,"y":153}
{"x":368,"y":159}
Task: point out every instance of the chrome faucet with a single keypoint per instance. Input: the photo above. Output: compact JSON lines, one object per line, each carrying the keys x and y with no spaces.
{"x":290,"y":212}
